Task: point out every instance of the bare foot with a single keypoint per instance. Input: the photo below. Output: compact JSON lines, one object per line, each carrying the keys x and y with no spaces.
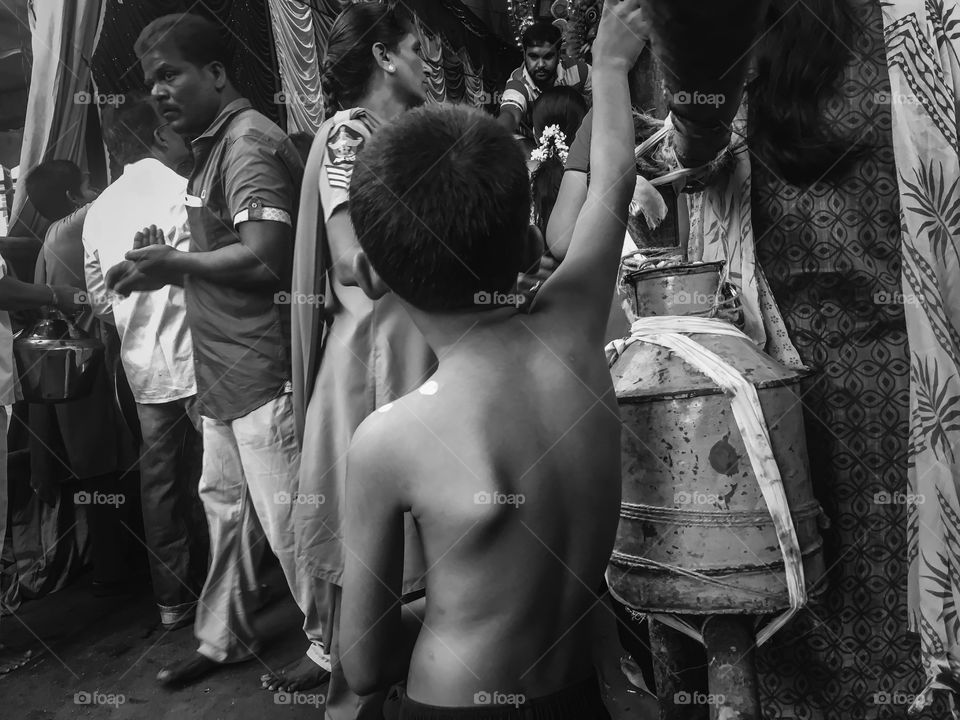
{"x":188,"y":671}
{"x":301,"y":674}
{"x":10,"y":660}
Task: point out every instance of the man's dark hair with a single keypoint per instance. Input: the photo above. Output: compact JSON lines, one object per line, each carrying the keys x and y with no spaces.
{"x":47,"y":187}
{"x":440,"y":200}
{"x":199,"y":41}
{"x":541,"y":32}
{"x":128,"y":128}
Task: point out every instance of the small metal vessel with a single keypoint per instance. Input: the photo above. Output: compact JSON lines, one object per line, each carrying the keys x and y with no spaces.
{"x":56,"y":361}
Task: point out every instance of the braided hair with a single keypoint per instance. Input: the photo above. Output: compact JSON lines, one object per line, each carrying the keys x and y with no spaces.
{"x":348,"y":64}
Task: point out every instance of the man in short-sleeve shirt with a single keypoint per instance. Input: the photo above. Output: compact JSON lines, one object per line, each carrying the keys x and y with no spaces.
{"x":542,"y":69}
{"x":241,"y":202}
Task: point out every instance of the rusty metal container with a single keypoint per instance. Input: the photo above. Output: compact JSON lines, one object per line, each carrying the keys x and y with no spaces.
{"x":695,"y":534}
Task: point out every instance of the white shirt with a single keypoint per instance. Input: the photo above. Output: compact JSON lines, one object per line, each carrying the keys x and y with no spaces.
{"x":155,"y":343}
{"x":8,"y":376}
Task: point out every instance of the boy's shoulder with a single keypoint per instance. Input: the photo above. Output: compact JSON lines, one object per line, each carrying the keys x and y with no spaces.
{"x":387,"y":435}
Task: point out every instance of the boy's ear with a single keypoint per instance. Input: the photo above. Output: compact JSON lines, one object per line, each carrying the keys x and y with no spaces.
{"x":367,"y":278}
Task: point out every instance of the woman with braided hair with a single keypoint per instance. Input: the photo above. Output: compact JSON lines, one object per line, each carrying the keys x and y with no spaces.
{"x":351,"y":354}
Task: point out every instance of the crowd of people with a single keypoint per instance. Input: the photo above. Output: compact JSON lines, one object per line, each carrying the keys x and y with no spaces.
{"x":306,"y":332}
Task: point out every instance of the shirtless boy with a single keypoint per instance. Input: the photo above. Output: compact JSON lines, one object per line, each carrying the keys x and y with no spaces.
{"x":509,"y":456}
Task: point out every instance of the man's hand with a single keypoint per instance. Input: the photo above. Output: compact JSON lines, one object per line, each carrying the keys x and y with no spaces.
{"x":622,"y":34}
{"x":125,"y":278}
{"x":68,"y":299}
{"x":149,"y":236}
{"x":152,"y":259}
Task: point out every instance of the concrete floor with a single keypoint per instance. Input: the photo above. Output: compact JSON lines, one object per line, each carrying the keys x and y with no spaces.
{"x":98,"y":657}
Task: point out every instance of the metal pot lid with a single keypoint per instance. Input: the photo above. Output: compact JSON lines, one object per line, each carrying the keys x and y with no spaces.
{"x":636,"y":276}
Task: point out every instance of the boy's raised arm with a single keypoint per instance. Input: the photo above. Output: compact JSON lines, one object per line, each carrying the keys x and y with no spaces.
{"x":582,"y":287}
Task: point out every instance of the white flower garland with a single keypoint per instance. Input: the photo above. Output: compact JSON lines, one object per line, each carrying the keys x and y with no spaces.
{"x":552,"y":141}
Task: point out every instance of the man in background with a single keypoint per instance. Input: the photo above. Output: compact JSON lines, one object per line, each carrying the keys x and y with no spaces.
{"x":155,"y":347}
{"x":542,"y":69}
{"x":65,"y":446}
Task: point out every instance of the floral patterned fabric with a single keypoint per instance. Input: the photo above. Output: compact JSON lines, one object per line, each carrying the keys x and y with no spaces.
{"x":922,"y":42}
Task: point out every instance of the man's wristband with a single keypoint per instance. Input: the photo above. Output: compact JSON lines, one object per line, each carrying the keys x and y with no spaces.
{"x":53,"y":295}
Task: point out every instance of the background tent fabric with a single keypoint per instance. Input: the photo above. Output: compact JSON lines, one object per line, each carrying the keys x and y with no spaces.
{"x":64,"y":36}
{"x":299,"y":65}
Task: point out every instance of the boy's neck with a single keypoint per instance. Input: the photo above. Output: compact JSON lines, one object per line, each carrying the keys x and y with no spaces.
{"x":454,"y":333}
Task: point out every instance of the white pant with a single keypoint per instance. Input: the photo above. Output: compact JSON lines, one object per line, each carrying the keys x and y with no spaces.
{"x":252,"y":461}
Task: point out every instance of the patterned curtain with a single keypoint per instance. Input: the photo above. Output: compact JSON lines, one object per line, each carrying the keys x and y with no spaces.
{"x":922,"y":42}
{"x":298,"y":64}
{"x":431,"y":49}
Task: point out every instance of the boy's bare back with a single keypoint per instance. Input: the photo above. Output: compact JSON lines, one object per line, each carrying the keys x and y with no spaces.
{"x":511,"y":467}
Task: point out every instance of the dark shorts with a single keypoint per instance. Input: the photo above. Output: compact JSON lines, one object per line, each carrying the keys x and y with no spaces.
{"x":577,"y":702}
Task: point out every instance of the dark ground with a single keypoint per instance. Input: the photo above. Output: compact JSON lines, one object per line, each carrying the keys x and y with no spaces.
{"x":112,"y":648}
{"x":90,"y":653}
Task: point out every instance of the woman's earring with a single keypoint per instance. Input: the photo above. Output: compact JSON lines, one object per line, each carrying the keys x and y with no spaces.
{"x":391,"y":68}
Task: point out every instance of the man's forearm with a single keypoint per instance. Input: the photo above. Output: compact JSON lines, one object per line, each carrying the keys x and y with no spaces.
{"x":233,"y":265}
{"x":17,"y":295}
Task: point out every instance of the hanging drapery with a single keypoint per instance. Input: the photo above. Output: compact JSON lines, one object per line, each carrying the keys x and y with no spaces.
{"x":298,"y":65}
{"x":473,"y":81}
{"x":922,"y":42}
{"x":431,"y":50}
{"x":453,"y":70}
{"x":63,"y":40}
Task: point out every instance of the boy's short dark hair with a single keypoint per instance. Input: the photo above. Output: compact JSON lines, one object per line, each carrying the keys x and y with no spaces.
{"x":542,"y":32}
{"x":47,"y":186}
{"x":440,"y":200}
{"x":128,"y":128}
{"x":198,"y":40}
